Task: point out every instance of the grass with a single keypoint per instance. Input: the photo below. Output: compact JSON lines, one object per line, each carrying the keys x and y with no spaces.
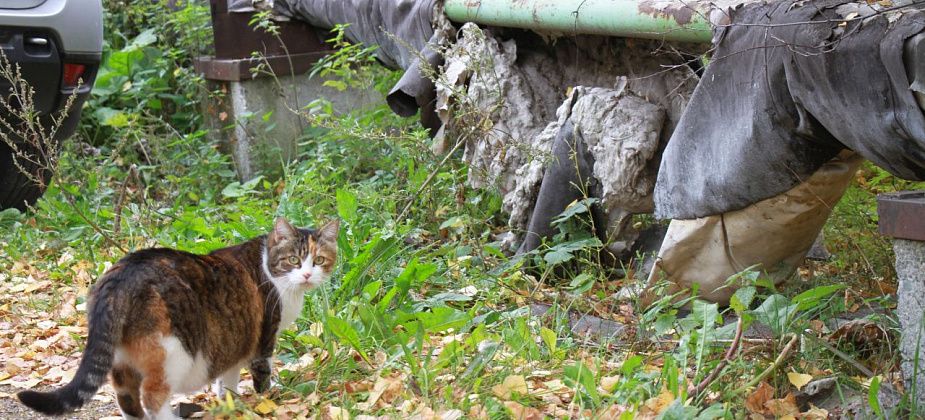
{"x":426,"y":316}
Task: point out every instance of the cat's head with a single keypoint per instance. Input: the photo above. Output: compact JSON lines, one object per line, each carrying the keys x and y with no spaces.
{"x":302,"y":258}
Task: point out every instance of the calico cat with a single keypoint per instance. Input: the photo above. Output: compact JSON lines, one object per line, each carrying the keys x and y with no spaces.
{"x":164,"y":321}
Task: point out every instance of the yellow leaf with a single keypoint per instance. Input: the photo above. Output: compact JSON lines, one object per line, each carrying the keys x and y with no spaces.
{"x":337,"y":413}
{"x":799,"y":380}
{"x":608,"y":383}
{"x":511,"y":384}
{"x":265,"y":407}
{"x":815,"y":413}
{"x":657,"y":405}
{"x":229,"y":402}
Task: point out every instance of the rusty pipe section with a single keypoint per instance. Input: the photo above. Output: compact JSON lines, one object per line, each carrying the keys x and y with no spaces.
{"x":671,"y":20}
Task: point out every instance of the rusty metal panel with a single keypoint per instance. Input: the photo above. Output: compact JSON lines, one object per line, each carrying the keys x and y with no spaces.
{"x":902,"y":215}
{"x":234,"y":38}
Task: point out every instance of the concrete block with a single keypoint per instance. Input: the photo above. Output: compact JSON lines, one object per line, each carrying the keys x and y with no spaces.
{"x":910,"y":268}
{"x":258,"y":121}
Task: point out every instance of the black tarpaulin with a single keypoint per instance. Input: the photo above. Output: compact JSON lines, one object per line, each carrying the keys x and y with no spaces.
{"x":789,"y":85}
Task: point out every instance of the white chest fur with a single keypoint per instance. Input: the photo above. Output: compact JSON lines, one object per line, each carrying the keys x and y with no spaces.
{"x":290,"y":308}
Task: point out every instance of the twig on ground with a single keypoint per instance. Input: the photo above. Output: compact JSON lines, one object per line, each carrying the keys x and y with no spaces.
{"x":733,"y":349}
{"x":777,"y":362}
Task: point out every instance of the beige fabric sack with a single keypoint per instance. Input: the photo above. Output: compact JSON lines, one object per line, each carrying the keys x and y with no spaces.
{"x":775,"y":233}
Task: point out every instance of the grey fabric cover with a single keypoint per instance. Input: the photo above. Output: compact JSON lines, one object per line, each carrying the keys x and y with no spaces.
{"x":241,"y":6}
{"x":400,"y":28}
{"x":776,"y":102}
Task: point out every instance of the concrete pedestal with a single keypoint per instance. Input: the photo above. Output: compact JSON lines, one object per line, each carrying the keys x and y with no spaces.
{"x":258,"y":120}
{"x":901,"y":217}
{"x":910,"y":268}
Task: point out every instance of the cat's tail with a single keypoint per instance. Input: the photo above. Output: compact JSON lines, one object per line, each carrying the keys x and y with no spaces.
{"x":105,"y":330}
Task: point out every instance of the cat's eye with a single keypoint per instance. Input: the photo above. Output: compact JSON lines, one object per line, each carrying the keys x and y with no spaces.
{"x":319,"y":260}
{"x":294,"y":260}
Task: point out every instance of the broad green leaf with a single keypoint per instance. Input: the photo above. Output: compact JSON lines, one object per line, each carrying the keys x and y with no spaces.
{"x":347,"y":206}
{"x":111,"y":117}
{"x":742,"y":298}
{"x":575,"y":208}
{"x":145,"y":38}
{"x":486,"y":352}
{"x":442,"y":318}
{"x":452,"y":353}
{"x":563,"y":252}
{"x":125,"y":63}
{"x":549,"y":338}
{"x":579,"y":374}
{"x":872,"y":396}
{"x":371,"y":290}
{"x":557,"y":257}
{"x":581,"y":283}
{"x":812,"y":297}
{"x":345,"y":332}
{"x":236,"y":189}
{"x":336,"y":84}
{"x":630,"y":364}
{"x":775,"y":312}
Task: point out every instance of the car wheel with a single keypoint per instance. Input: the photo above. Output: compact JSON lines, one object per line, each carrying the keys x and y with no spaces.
{"x":16,"y":189}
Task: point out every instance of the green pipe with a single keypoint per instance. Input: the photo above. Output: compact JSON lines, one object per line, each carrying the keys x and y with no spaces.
{"x":625,"y":18}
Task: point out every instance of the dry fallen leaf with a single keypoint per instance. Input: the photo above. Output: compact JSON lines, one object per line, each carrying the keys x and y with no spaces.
{"x":815,"y":413}
{"x":786,"y":406}
{"x":265,"y":407}
{"x":511,"y":384}
{"x":385,"y":389}
{"x":799,"y":380}
{"x":337,"y":413}
{"x":477,"y":411}
{"x":863,"y":334}
{"x":522,"y":412}
{"x":608,"y":383}
{"x":657,"y":405}
{"x":755,"y":402}
{"x":454,"y":414}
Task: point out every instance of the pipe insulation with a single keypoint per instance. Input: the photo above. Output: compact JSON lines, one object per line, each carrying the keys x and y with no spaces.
{"x":670,"y":20}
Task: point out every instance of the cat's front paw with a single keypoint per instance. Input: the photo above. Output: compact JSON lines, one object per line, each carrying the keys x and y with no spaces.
{"x":220,"y":387}
{"x":260,"y":371}
{"x":229,"y":381}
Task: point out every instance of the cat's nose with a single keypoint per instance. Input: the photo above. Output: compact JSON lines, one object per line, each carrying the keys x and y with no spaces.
{"x":307,"y":276}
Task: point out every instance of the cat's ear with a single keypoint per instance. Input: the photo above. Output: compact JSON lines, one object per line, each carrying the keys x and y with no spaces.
{"x":328,"y":232}
{"x":281,"y":229}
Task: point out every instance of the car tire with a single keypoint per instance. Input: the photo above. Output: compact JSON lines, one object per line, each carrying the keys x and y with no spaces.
{"x":16,"y":189}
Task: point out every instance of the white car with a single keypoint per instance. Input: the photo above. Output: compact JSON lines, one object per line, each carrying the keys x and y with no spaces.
{"x":57,"y":45}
